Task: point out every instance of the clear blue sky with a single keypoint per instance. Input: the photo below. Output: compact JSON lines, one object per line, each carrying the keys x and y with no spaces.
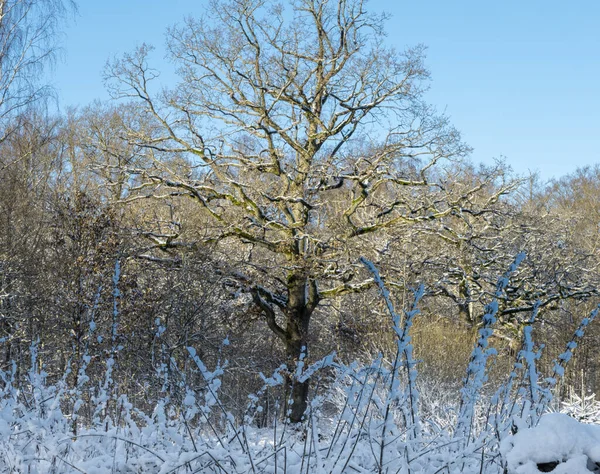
{"x":520,"y":79}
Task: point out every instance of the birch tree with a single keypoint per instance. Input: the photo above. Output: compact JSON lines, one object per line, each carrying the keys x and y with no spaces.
{"x":29,"y":42}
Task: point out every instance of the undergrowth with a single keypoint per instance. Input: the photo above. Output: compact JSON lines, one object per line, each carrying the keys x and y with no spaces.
{"x":363,"y":418}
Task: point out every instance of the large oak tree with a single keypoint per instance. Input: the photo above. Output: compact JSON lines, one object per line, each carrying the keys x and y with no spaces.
{"x":303,"y":137}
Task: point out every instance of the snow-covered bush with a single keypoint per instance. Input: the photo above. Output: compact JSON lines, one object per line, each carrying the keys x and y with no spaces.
{"x":584,"y":408}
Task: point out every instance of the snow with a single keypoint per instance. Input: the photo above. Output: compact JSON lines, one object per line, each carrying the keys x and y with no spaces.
{"x":557,"y":438}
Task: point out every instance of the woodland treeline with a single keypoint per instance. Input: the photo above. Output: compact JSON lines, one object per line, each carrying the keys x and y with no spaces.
{"x":234,"y":206}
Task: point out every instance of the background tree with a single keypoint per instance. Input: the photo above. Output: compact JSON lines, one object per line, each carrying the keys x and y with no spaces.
{"x":28,"y":45}
{"x":25,"y":187}
{"x":29,"y":39}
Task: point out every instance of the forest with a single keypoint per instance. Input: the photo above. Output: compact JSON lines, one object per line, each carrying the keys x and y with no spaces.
{"x":247,"y":270}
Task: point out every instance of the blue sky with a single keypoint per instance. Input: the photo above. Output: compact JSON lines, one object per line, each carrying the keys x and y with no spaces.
{"x":520,"y":79}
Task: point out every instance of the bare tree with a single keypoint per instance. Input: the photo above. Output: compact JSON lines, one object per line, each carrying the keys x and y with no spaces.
{"x":24,"y":189}
{"x":465,"y":252}
{"x":28,"y":44}
{"x":303,"y":138}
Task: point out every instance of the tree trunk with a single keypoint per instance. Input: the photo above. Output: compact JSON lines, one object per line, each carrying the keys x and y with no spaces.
{"x":303,"y":298}
{"x":297,"y":401}
{"x":465,"y":305}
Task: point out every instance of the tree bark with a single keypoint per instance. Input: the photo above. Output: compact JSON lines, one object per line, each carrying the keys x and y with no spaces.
{"x":303,"y":298}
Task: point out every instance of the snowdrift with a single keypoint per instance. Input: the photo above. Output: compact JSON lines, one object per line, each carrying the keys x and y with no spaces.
{"x":558,"y":444}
